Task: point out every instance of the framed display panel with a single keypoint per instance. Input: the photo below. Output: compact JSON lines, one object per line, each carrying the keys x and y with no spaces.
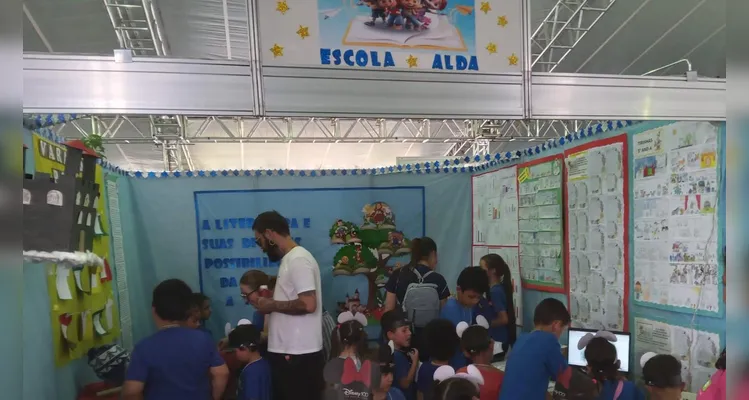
{"x":596,"y":223}
{"x":511,"y":256}
{"x":494,"y":198}
{"x":676,"y":235}
{"x":540,"y":233}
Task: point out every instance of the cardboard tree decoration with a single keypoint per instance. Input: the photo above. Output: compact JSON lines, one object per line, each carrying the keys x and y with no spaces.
{"x":368,"y":247}
{"x":59,"y":212}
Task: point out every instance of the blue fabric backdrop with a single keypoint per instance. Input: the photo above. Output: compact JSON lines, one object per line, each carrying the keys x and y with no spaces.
{"x":159,"y":225}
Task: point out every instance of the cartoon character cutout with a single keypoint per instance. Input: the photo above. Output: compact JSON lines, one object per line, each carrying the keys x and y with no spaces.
{"x":358,"y":256}
{"x":341,"y":230}
{"x":395,"y":239}
{"x":410,"y":10}
{"x":379,"y":10}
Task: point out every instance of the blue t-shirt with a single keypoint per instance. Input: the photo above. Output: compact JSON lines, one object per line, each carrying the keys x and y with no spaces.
{"x":395,"y":394}
{"x":425,"y":379}
{"x":456,"y":313}
{"x":499,"y":304}
{"x":258,"y":319}
{"x":254,"y":381}
{"x":630,"y":391}
{"x":402,"y":365}
{"x":535,"y":359}
{"x":173,"y":364}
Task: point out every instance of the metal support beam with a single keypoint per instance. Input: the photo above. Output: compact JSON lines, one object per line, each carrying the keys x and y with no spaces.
{"x":562,"y":29}
{"x":137,"y":25}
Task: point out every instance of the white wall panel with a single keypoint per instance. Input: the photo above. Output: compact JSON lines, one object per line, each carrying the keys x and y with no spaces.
{"x":296,"y":91}
{"x":89,"y":85}
{"x":578,"y":96}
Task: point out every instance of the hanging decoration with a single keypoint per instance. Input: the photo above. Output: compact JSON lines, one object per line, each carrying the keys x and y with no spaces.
{"x":464,"y":164}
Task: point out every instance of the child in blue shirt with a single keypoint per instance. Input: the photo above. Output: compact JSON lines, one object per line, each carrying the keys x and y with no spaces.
{"x":440,"y":340}
{"x":255,"y":378}
{"x":502,"y":322}
{"x":537,"y":356}
{"x":387,"y":367}
{"x":472,"y":284}
{"x":176,"y":362}
{"x":603,"y":366}
{"x":396,"y":330}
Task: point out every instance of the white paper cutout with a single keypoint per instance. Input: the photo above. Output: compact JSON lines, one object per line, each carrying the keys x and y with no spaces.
{"x":97,"y":325}
{"x":26,"y":197}
{"x":54,"y":198}
{"x":61,"y":283}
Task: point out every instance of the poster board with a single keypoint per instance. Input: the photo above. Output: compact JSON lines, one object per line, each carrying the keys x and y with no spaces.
{"x":356,"y":242}
{"x":597,"y":231}
{"x":540,"y":237}
{"x":495,"y":207}
{"x":676,"y":233}
{"x":79,"y":301}
{"x":436,"y":35}
{"x":696,"y":349}
{"x":512,"y":258}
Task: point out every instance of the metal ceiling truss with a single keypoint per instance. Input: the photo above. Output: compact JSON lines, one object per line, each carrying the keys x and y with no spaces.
{"x":137,"y":24}
{"x":174,"y":134}
{"x":562,"y":29}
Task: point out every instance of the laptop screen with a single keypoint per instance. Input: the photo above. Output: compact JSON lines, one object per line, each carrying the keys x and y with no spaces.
{"x":577,"y":357}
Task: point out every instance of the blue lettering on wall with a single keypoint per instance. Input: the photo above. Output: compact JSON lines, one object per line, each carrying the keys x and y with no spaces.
{"x":455,"y":63}
{"x":229,"y":301}
{"x":360,"y":58}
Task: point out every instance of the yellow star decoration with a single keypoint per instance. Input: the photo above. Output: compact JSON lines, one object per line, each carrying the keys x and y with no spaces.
{"x":303,"y":31}
{"x":502,"y":21}
{"x":277,"y":50}
{"x":491,"y":48}
{"x":282,"y":7}
{"x":412,"y":61}
{"x":513,"y":59}
{"x":485,"y":7}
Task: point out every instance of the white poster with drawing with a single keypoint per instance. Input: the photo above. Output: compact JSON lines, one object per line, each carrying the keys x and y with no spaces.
{"x":675,"y":217}
{"x":495,"y":208}
{"x":511,"y":257}
{"x":697,"y":350}
{"x":596,"y":234}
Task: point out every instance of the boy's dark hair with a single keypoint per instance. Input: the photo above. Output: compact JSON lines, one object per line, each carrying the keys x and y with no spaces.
{"x":273,"y":221}
{"x":475,"y":279}
{"x":602,"y":359}
{"x":662,"y":371}
{"x":475,"y":339}
{"x":421,"y":248}
{"x":550,"y":310}
{"x":349,"y":333}
{"x":172,"y":300}
{"x":455,"y":389}
{"x":391,"y":320}
{"x":246,"y":336}
{"x":440,"y":339}
{"x":199,"y":298}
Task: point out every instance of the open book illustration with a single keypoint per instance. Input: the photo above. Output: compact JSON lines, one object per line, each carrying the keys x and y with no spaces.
{"x":441,"y":35}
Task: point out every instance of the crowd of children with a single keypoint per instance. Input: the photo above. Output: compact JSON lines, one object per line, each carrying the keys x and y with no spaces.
{"x":473,"y":327}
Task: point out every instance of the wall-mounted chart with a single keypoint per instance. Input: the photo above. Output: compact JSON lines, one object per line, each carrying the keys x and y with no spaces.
{"x":676,"y":189}
{"x":511,"y":257}
{"x":495,"y":208}
{"x":596,"y":225}
{"x":540,"y":224}
{"x":697,"y":350}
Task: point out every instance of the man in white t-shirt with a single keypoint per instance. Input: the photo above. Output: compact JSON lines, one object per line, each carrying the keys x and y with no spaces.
{"x":294,"y":328}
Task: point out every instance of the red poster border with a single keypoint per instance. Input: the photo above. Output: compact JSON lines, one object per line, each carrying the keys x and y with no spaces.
{"x":621,"y":138}
{"x":564,"y":289}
